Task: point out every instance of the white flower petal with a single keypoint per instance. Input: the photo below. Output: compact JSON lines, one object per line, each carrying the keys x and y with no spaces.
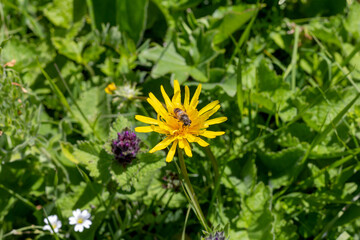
{"x":77,"y":213}
{"x":72,"y":220}
{"x":87,"y":223}
{"x":47,"y":227}
{"x":53,"y":218}
{"x":85,"y":214}
{"x":79,"y":228}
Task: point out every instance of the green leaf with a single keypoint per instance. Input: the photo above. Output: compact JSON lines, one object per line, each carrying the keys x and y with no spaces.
{"x":93,"y":53}
{"x":57,"y":91}
{"x":96,"y":98}
{"x":131,"y":17}
{"x":69,"y":48}
{"x":82,"y":196}
{"x":118,"y":126}
{"x":282,"y":164}
{"x":89,"y":154}
{"x":146,"y":165}
{"x":231,"y":19}
{"x":169,"y":61}
{"x":256,"y":216}
{"x":60,"y":13}
{"x":352,"y":22}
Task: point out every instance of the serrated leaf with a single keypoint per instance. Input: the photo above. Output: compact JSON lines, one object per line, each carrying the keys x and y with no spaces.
{"x":96,"y":160}
{"x":144,"y":166}
{"x":119,"y":125}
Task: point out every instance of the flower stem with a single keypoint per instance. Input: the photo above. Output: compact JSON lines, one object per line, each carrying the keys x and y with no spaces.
{"x":190,"y":190}
{"x":213,"y":162}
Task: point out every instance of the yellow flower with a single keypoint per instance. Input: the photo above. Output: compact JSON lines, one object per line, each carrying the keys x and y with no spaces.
{"x":178,"y":133}
{"x":110,"y":88}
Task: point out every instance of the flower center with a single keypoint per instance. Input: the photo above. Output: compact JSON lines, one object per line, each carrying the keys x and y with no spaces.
{"x":54,"y":226}
{"x":80,"y":220}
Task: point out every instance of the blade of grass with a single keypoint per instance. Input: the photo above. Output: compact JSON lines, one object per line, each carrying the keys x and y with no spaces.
{"x":91,"y":13}
{"x":56,"y":90}
{"x":347,"y":75}
{"x":355,"y":213}
{"x":294,"y":58}
{"x":244,"y":36}
{"x":19,"y":197}
{"x":331,"y":166}
{"x":186,"y":219}
{"x":239,"y":89}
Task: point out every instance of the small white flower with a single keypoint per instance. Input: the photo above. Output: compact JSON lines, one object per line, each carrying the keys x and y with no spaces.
{"x":54,"y":222}
{"x":80,"y":219}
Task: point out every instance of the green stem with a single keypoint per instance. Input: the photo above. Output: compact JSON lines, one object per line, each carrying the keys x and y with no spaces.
{"x":213,"y":162}
{"x":191,"y":191}
{"x":20,"y":231}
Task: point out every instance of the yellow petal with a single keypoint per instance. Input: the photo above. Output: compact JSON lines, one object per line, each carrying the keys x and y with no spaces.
{"x":171,"y":153}
{"x":208,"y":107}
{"x":195,"y":98}
{"x":177,"y":94}
{"x":187,"y":148}
{"x":212,"y":134}
{"x":156,"y":104}
{"x":181,"y":143}
{"x":201,"y":142}
{"x":144,"y":129}
{"x":190,"y":137}
{"x":187,"y":97}
{"x":167,"y":100}
{"x":108,"y":91}
{"x":159,"y":130}
{"x":146,"y":120}
{"x":163,"y":144}
{"x":110,"y":88}
{"x":211,"y":112}
{"x":215,"y":121}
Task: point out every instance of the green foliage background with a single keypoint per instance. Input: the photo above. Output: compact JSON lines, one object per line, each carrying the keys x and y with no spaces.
{"x":287,"y":76}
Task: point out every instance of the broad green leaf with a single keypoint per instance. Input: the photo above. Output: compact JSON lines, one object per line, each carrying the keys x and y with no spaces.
{"x":93,"y":53}
{"x":284,"y":160}
{"x":256,"y":216}
{"x":352,"y":22}
{"x":230,"y":19}
{"x":69,"y":48}
{"x":89,"y":154}
{"x":326,"y":110}
{"x":167,"y":60}
{"x":81,"y":196}
{"x":94,"y":107}
{"x":131,"y":17}
{"x":60,"y":13}
{"x":145,"y":166}
{"x":23,"y":52}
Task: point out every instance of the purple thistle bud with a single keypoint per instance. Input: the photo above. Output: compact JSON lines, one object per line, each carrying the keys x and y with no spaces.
{"x":216,"y":236}
{"x":125,"y":147}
